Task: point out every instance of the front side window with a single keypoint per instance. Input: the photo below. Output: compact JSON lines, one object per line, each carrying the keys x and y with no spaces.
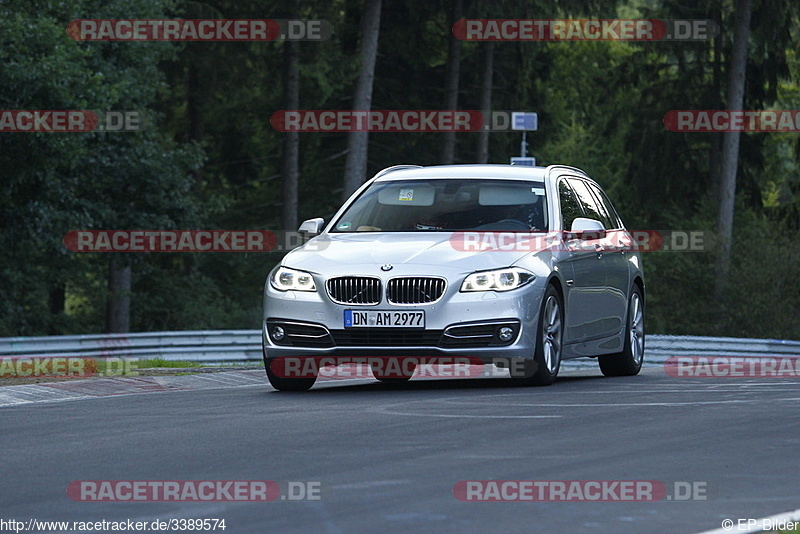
{"x":447,"y":205}
{"x":570,"y":209}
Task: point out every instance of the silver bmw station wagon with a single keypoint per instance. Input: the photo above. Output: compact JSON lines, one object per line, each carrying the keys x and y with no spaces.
{"x":513,"y":266}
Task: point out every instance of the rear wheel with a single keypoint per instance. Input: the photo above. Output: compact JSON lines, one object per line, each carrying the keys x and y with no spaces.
{"x":543,"y":369}
{"x":629,"y":361}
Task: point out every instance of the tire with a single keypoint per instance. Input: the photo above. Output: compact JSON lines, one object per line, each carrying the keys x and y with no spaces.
{"x":629,"y":361}
{"x":405,"y":374}
{"x":543,"y":369}
{"x":282,"y":383}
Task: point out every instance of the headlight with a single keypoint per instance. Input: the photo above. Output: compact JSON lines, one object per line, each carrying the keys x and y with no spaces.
{"x":286,"y":279}
{"x":499,"y":280}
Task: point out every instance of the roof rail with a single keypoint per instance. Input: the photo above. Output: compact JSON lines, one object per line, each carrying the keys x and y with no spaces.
{"x":393,"y":168}
{"x":568,"y":167}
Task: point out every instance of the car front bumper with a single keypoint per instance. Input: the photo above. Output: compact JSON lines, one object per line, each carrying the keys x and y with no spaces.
{"x":460,"y":324}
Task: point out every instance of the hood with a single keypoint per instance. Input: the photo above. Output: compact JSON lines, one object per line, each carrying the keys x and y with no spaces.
{"x":412,"y":251}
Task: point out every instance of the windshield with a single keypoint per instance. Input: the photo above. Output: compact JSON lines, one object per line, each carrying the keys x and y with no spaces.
{"x":447,"y":205}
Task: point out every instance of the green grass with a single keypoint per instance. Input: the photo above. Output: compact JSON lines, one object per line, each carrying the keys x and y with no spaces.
{"x":130,"y":366}
{"x":172,"y":364}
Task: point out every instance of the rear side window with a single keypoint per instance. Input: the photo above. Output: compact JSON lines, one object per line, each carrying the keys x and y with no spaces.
{"x":589,"y":204}
{"x":570,"y":209}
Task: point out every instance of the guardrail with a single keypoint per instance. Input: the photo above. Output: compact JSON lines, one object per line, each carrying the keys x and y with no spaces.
{"x":205,"y":346}
{"x":218,"y":346}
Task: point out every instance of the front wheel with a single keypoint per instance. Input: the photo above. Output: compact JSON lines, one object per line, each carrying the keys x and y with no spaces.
{"x":287,"y":383}
{"x":393,"y":370}
{"x":543,"y":369}
{"x":629,"y":361}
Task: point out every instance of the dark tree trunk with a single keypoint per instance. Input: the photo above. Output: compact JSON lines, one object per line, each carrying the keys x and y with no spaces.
{"x":194,"y":107}
{"x":355,"y":169}
{"x":730,"y":147}
{"x":452,"y":76}
{"x":291,"y":140}
{"x":715,"y":155}
{"x":118,"y":303}
{"x":57,"y":301}
{"x":486,"y":99}
{"x":194,"y":112}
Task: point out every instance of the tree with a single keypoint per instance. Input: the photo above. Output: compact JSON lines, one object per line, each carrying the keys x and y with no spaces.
{"x":451,"y":85}
{"x":600,"y":104}
{"x":730,"y":146}
{"x":486,"y":100}
{"x":291,"y":140}
{"x":357,"y":142}
{"x":68,"y":181}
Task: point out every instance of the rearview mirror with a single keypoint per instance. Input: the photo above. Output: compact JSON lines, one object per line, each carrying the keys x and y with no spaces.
{"x":584,"y":228}
{"x":311,"y":227}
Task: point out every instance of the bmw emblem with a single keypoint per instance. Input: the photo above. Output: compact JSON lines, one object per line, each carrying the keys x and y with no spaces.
{"x":387,"y":267}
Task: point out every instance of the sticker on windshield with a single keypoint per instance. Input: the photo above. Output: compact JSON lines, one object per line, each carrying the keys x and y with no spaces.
{"x":406,"y":195}
{"x":538,"y":191}
{"x":343,"y":226}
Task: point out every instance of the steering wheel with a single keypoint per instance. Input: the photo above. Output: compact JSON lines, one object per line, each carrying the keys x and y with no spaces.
{"x":510,"y":224}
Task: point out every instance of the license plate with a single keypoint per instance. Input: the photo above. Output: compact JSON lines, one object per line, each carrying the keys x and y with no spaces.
{"x":384,"y":319}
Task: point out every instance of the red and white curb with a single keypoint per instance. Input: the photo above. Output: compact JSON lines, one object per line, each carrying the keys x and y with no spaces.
{"x":51,"y":392}
{"x":80,"y":389}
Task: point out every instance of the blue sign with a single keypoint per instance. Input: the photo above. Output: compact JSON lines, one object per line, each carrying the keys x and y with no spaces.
{"x":528,"y":162}
{"x":524,"y":120}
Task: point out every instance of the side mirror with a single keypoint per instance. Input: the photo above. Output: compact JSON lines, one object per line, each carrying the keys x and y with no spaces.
{"x":311,"y":227}
{"x":585,"y":229}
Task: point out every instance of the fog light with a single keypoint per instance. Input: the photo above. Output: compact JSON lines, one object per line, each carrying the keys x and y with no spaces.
{"x":278,"y":333}
{"x":505,"y":334}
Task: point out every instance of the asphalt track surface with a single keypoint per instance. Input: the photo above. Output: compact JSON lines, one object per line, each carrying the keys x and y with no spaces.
{"x":387,"y":457}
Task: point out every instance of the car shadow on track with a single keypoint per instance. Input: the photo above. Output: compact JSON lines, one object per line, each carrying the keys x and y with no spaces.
{"x":335,"y":387}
